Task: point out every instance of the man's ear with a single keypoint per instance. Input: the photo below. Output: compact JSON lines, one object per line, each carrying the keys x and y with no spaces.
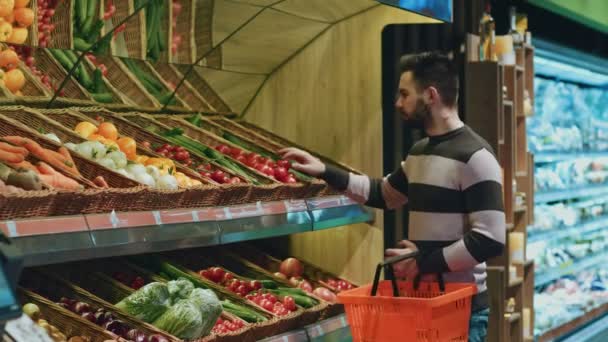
{"x":430,"y":95}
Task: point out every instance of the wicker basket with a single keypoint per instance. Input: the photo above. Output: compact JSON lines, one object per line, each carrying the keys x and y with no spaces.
{"x":35,"y":93}
{"x":198,"y":82}
{"x":27,"y":204}
{"x":66,"y":321}
{"x":10,"y":128}
{"x":62,"y":36}
{"x":127,"y":84}
{"x":54,"y":287}
{"x":269,"y":264}
{"x":139,"y":134}
{"x":203,"y":28}
{"x":263,"y":193}
{"x":202,"y":136}
{"x":149,"y":198}
{"x":184,"y":25}
{"x":32,"y":31}
{"x":35,"y":120}
{"x":132,"y":41}
{"x":186,"y":92}
{"x":74,"y":92}
{"x":147,"y":68}
{"x":198,"y":259}
{"x":119,"y":99}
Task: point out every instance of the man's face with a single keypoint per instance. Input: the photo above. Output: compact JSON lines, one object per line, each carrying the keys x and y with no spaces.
{"x":409,"y":103}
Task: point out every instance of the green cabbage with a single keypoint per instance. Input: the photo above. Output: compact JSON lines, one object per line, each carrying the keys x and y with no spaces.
{"x":147,"y":303}
{"x":192,"y":317}
{"x":179,"y":289}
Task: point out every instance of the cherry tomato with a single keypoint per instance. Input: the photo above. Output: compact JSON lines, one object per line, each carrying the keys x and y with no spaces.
{"x":289,"y":303}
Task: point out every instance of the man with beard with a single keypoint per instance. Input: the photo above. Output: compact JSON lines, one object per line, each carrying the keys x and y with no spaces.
{"x":450,"y":180}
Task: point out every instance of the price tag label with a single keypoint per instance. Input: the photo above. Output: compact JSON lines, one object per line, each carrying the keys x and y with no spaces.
{"x":23,"y":329}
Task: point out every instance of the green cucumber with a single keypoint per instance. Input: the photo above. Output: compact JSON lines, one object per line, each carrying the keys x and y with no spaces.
{"x":269,"y":284}
{"x":103,"y":97}
{"x":98,"y":85}
{"x":80,"y":44}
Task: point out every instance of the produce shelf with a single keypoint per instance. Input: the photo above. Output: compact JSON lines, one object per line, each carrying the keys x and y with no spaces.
{"x":332,"y":329}
{"x":576,"y":324}
{"x":70,"y":238}
{"x":560,"y":233}
{"x":541,"y":278}
{"x":594,"y":331}
{"x":548,"y":157}
{"x":560,"y":195}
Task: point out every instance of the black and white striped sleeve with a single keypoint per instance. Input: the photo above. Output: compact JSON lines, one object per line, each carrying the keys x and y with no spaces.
{"x":387,"y":193}
{"x":481,"y":184}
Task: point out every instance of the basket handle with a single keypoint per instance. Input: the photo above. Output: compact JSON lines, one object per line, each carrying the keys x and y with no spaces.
{"x":387,"y":264}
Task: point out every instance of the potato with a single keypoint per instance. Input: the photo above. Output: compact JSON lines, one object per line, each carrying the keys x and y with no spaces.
{"x":26,"y":180}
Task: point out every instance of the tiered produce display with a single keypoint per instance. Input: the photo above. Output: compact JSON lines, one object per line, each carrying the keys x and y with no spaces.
{"x":94,"y":121}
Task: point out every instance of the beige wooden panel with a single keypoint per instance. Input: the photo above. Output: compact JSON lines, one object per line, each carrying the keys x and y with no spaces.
{"x":236,"y":89}
{"x":325,"y":10}
{"x":328,"y":98}
{"x":258,"y":2}
{"x":228,"y":16}
{"x":265,"y":42}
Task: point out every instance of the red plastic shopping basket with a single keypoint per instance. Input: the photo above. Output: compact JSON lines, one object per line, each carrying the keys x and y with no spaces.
{"x":405,"y":311}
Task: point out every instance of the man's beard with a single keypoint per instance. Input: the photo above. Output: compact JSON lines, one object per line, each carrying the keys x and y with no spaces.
{"x":419,"y":116}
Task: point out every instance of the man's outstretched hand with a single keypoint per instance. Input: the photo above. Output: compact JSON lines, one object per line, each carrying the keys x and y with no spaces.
{"x":304,"y":161}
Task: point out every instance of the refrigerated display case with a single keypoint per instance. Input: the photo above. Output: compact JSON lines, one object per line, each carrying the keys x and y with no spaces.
{"x":569,"y":137}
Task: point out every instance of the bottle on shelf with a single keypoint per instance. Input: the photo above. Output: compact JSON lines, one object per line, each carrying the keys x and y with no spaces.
{"x":518,"y":39}
{"x":487,"y":36}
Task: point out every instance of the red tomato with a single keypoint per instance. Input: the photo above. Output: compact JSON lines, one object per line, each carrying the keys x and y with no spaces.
{"x":255,"y":284}
{"x":235,"y":152}
{"x":227,"y":277}
{"x":289,"y":303}
{"x":268,"y":305}
{"x":218,"y":176}
{"x":280,"y":173}
{"x":181,"y":155}
{"x":205,"y":274}
{"x":269,"y":171}
{"x":291,"y":179}
{"x":217,"y":274}
{"x":284,"y":163}
{"x":241,"y":159}
{"x":223,"y":149}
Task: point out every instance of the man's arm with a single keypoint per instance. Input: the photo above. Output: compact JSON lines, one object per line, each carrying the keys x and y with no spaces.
{"x":387,"y":193}
{"x":482,"y":187}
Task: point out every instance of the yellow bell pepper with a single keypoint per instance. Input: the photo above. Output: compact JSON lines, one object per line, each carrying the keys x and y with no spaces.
{"x":166,"y":166}
{"x":141,"y":159}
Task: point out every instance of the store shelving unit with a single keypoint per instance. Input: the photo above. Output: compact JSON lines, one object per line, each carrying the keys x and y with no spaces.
{"x":71,"y":238}
{"x":499,"y":118}
{"x":551,"y":65}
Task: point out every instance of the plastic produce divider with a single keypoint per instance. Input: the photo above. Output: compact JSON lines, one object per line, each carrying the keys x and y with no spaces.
{"x":88,"y":50}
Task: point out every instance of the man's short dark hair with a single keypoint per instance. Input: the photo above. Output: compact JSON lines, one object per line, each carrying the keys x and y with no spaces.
{"x":433,"y":69}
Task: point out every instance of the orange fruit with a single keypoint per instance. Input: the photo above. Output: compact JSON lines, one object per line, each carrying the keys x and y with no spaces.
{"x":128,"y":146}
{"x":18,"y":93}
{"x":85,"y":129}
{"x":14,"y":80}
{"x":21,"y":3}
{"x":6,"y":7}
{"x":97,"y":137}
{"x":9,"y":59}
{"x":19,"y":35}
{"x":6,"y":29}
{"x":10,"y":18}
{"x":108,"y":131}
{"x":24,"y":16}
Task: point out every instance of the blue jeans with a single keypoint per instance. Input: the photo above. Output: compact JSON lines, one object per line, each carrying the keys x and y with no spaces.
{"x":478,"y":326}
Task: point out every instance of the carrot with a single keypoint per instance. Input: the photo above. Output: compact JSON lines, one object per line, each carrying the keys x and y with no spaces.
{"x":11,"y":157}
{"x":60,"y":181}
{"x":100,"y":182}
{"x":45,"y":169}
{"x":16,"y":140}
{"x":24,"y":165}
{"x":68,"y":159}
{"x":13,"y":149}
{"x":54,"y":158}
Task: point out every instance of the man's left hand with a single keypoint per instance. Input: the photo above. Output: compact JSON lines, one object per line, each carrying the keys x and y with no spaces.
{"x":406,"y":269}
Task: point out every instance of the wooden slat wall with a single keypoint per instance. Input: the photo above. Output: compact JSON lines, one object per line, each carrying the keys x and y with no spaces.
{"x":328,"y":98}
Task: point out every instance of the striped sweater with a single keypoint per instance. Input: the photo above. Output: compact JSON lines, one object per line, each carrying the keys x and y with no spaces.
{"x":452,"y":186}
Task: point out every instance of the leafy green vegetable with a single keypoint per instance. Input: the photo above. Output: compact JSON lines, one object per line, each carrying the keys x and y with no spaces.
{"x":179,"y":289}
{"x":147,"y":303}
{"x":192,"y":317}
